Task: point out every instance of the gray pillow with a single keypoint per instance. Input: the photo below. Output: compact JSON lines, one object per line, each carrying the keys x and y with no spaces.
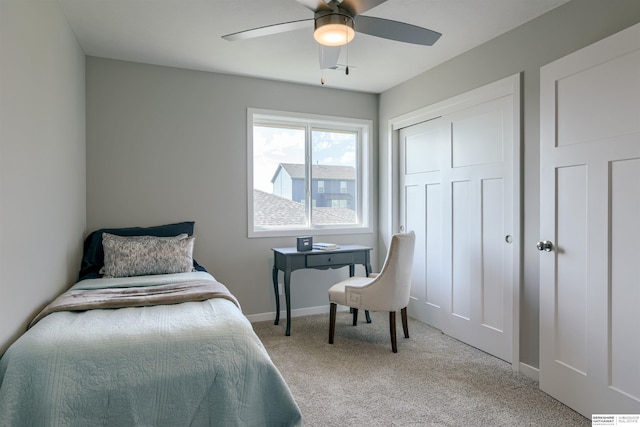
{"x":126,"y":256}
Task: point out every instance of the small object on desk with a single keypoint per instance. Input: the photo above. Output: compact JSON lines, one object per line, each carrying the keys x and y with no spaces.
{"x":325,"y":246}
{"x":305,"y":243}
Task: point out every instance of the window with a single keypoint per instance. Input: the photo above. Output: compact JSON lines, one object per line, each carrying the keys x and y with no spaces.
{"x":307,"y":173}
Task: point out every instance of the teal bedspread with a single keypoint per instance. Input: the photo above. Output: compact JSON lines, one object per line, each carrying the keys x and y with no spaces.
{"x":187,"y":364}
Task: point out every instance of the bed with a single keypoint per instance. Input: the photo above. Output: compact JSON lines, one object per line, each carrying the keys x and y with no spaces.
{"x":169,"y":349}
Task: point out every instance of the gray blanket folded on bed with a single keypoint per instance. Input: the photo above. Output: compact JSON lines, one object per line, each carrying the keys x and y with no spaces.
{"x":173,"y":293}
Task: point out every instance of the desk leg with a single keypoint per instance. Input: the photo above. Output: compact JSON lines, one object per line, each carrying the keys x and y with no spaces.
{"x":367,"y":270}
{"x":287,"y":297}
{"x":275,"y":290}
{"x":352,"y":272}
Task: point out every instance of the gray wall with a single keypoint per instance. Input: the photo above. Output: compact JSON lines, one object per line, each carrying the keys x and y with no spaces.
{"x":42,"y":160}
{"x":167,"y":145}
{"x":524,"y":49}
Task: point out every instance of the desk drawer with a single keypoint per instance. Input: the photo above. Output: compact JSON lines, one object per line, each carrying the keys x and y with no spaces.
{"x":327,"y":260}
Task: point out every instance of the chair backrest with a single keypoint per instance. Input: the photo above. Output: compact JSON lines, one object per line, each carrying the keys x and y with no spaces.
{"x":391,"y":289}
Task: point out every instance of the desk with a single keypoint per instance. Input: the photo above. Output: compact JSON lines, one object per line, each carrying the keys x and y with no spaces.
{"x":289,"y":259}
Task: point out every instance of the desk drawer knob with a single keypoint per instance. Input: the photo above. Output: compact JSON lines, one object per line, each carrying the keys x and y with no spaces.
{"x":329,"y":259}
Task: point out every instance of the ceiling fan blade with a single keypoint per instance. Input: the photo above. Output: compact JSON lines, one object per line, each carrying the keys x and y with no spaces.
{"x":269,"y":30}
{"x":328,"y":56}
{"x":360,"y":6}
{"x":314,"y":5}
{"x":395,"y":30}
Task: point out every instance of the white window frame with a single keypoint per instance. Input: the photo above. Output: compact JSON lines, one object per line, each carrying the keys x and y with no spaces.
{"x":364,"y":171}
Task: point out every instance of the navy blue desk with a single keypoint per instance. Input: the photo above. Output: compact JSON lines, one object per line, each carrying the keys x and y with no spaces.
{"x":289,"y":259}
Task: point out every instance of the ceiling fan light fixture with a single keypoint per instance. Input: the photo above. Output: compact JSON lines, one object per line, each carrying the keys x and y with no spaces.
{"x":334,"y":29}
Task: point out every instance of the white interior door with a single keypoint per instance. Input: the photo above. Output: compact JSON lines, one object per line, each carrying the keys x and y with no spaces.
{"x":590,"y":213}
{"x":423,"y":150}
{"x":457,"y":193}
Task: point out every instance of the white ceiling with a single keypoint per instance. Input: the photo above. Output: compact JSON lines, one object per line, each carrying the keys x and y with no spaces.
{"x":187,"y":34}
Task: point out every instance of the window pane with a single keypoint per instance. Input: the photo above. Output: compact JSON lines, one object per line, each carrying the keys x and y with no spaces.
{"x":278,"y":176}
{"x":305,"y":174}
{"x":334,"y":177}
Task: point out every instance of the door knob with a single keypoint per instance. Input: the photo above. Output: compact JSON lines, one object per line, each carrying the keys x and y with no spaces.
{"x":545,"y":245}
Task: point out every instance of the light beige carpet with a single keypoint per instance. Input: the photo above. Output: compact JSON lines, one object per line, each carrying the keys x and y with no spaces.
{"x":433,"y":380}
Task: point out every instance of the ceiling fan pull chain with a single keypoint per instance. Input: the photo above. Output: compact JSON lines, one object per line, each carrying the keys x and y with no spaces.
{"x":346,"y":36}
{"x":322,"y":64}
{"x":346,"y":70}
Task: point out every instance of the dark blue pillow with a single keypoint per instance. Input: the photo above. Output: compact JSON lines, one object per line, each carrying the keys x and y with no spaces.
{"x":93,"y":253}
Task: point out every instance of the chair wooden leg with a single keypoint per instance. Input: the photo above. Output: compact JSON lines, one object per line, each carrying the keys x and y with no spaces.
{"x":392,"y":328}
{"x":355,"y":316}
{"x":366,"y":314}
{"x":405,"y":323}
{"x":332,"y":321}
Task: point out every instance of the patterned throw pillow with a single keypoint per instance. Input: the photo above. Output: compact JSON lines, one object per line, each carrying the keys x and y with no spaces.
{"x":126,"y":256}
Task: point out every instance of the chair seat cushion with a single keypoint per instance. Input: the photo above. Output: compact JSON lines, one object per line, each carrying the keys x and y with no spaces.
{"x":337,"y":292}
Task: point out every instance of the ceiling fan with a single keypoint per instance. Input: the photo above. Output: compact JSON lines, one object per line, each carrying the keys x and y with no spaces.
{"x":335,"y":25}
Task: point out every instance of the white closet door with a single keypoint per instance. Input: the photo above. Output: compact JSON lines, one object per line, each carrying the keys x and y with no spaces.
{"x":590,"y":232}
{"x":424,"y":149}
{"x":457,"y":193}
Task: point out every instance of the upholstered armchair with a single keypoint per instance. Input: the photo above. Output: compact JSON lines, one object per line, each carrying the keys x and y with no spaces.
{"x":386,"y":291}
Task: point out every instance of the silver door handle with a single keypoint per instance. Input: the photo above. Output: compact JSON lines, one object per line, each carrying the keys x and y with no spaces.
{"x":545,"y":245}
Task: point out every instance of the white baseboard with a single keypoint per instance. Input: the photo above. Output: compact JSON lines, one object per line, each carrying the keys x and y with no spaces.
{"x":530,"y":371}
{"x":308,"y":311}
